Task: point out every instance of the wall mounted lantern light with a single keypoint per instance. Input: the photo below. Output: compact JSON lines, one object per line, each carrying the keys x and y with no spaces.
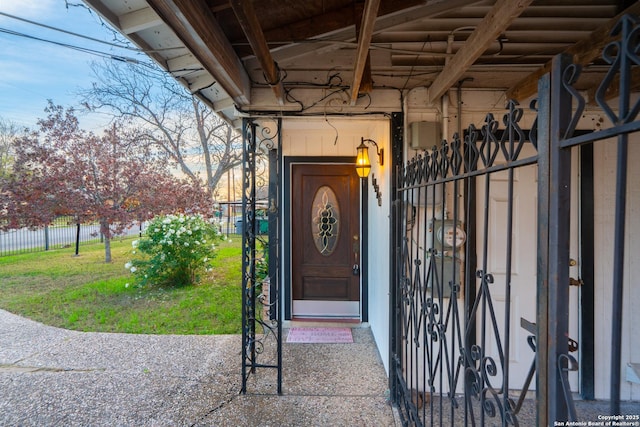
{"x":363,"y":165}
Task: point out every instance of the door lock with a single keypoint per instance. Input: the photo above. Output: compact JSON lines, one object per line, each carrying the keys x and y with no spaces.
{"x":356,"y":270}
{"x":575,"y":282}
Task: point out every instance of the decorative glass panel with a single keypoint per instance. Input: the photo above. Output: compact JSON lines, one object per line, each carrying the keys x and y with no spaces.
{"x":326,"y":220}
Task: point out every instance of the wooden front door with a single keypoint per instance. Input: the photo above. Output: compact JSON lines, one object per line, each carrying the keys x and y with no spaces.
{"x":325,"y":240}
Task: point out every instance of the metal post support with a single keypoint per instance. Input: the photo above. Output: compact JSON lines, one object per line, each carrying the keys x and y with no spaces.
{"x":397,"y":152}
{"x":275,"y":160}
{"x":554,"y":192}
{"x":627,"y":54}
{"x":249,"y":252}
{"x":588,"y":261}
{"x":77,"y":238}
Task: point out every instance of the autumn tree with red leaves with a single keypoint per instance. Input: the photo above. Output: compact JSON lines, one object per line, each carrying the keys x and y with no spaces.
{"x":113,"y":179}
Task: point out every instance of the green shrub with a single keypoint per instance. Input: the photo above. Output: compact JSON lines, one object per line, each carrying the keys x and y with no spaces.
{"x":175,"y":250}
{"x":262,"y":263}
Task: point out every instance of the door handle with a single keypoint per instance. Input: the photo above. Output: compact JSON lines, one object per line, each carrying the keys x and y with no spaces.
{"x":356,"y":251}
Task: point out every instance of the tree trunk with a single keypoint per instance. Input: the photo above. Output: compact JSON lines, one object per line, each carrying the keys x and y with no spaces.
{"x":106,"y":232}
{"x":107,"y":249}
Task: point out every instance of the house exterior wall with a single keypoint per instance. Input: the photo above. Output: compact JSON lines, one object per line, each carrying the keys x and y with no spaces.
{"x":604,"y":180}
{"x":338,"y":137}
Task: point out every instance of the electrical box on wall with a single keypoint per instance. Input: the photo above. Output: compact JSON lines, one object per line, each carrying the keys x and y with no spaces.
{"x":424,"y":135}
{"x":448,"y":235}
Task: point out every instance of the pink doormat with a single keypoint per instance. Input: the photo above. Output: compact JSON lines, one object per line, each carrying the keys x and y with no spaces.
{"x":320,"y":335}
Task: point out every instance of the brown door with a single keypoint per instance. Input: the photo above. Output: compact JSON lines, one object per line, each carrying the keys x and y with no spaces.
{"x":325,"y":232}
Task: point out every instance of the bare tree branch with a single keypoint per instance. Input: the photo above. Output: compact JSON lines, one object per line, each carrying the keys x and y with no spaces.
{"x":168,"y":117}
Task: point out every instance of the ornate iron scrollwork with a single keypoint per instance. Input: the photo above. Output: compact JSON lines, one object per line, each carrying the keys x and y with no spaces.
{"x":437,"y":354}
{"x":261,"y":325}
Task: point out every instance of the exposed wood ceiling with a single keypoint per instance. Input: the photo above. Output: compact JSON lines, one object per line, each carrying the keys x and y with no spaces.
{"x":291,"y":55}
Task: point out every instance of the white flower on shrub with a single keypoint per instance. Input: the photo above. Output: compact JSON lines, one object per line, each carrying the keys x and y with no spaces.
{"x":127,"y":265}
{"x":175,"y":238}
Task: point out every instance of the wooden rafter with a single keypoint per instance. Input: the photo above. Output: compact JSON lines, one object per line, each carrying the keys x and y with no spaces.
{"x":195,"y":25}
{"x":139,"y":20}
{"x":332,"y":22}
{"x":364,"y":40}
{"x":501,"y":15}
{"x":366,"y":85}
{"x":583,"y":53}
{"x":250,"y":25}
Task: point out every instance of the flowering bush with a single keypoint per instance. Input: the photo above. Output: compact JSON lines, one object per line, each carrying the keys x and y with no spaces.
{"x":175,"y":250}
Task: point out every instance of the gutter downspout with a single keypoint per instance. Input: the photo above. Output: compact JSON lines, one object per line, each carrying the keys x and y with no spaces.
{"x":445,"y":97}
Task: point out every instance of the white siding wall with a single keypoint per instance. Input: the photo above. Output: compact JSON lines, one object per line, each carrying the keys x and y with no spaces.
{"x":604,"y":179}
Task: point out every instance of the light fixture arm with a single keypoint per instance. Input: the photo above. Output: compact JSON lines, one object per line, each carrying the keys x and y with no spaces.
{"x":379,"y":151}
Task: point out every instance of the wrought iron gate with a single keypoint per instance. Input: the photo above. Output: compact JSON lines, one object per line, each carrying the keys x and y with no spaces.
{"x":442,"y":369}
{"x":450,"y":343}
{"x":261,"y":320}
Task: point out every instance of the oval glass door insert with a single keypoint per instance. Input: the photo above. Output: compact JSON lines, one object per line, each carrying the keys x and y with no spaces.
{"x":325,"y":220}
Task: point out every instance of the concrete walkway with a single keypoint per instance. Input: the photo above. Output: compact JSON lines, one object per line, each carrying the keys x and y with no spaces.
{"x":57,"y":377}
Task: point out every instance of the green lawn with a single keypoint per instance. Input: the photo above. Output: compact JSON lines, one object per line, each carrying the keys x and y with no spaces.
{"x":86,"y":294}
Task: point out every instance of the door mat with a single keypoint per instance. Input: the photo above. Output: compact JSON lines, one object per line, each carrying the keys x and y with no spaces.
{"x":320,"y":335}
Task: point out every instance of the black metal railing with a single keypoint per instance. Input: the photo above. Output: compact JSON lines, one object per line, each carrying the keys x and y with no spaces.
{"x":450,"y":343}
{"x":62,"y":233}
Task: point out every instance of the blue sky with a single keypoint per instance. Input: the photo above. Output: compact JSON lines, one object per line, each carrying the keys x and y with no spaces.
{"x":32,"y":71}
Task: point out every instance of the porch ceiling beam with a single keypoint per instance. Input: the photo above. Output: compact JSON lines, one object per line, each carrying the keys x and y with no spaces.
{"x":114,"y":20}
{"x":197,"y":27}
{"x":331,"y":21}
{"x":222,"y":104}
{"x":183,"y":64}
{"x":369,"y":16}
{"x":496,"y":21}
{"x":583,"y":53}
{"x":203,"y":81}
{"x":407,"y":11}
{"x":250,"y":25}
{"x":139,"y":20}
